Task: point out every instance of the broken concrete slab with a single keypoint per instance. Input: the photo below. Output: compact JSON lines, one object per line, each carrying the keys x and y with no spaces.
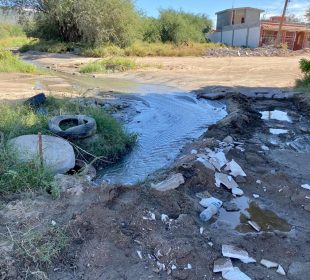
{"x":222,"y":264}
{"x":281,"y":270}
{"x":235,"y":274}
{"x":269,"y":264}
{"x":235,"y":169}
{"x":206,"y":202}
{"x":226,"y":180}
{"x":173,"y":182}
{"x":234,"y":252}
{"x":218,"y":158}
{"x":237,"y":191}
{"x":306,"y":186}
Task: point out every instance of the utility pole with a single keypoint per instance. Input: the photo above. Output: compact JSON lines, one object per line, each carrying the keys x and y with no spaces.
{"x":279,"y":35}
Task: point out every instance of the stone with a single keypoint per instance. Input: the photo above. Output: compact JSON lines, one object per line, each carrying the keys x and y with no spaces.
{"x":299,"y":271}
{"x":226,"y":180}
{"x":74,"y":185}
{"x":231,"y":207}
{"x":222,"y":264}
{"x":228,"y":140}
{"x":240,"y":180}
{"x":58,"y":154}
{"x":206,"y":202}
{"x":237,"y":191}
{"x":268,"y":264}
{"x":235,"y":274}
{"x":306,"y":186}
{"x":281,"y":270}
{"x":234,"y":252}
{"x":218,"y":158}
{"x":173,"y":182}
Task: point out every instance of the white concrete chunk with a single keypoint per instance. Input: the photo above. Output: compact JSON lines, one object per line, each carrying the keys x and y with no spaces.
{"x":235,"y":169}
{"x":268,"y":264}
{"x":234,"y":252}
{"x":206,"y":163}
{"x":235,"y":274}
{"x":226,"y":180}
{"x":171,"y":183}
{"x":222,"y":264}
{"x":281,"y":270}
{"x":306,"y":186}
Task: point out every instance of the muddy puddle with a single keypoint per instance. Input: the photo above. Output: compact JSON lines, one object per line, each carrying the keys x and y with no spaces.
{"x":251,"y":211}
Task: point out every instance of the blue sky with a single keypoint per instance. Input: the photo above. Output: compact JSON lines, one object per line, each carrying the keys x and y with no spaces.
{"x":210,"y":7}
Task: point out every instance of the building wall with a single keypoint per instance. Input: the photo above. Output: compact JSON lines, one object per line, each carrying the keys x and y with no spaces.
{"x":252,"y":17}
{"x":246,"y":36}
{"x":223,"y":19}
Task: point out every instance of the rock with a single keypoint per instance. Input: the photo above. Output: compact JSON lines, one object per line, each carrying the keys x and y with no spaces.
{"x":255,"y":226}
{"x":255,"y":195}
{"x":230,"y":207}
{"x":234,"y":252}
{"x":235,"y":274}
{"x":281,"y":270}
{"x":299,"y":271}
{"x":222,"y":264}
{"x":235,"y":169}
{"x":265,"y":148}
{"x":268,"y":264}
{"x":58,"y":154}
{"x":173,"y":182}
{"x":228,"y":140}
{"x":194,"y":152}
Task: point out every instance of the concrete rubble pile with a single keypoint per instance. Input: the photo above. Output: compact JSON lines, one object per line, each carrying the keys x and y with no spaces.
{"x":263,"y":51}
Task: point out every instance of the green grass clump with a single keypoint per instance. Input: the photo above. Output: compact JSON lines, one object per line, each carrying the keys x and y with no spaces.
{"x":110,"y":142}
{"x":110,"y":64}
{"x":11,"y":30}
{"x":104,"y":51}
{"x":50,"y":46}
{"x":304,"y":83}
{"x":10,"y":63}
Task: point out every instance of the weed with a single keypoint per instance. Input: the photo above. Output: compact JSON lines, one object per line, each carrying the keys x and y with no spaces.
{"x":12,"y":63}
{"x":304,"y":84}
{"x":110,"y":142}
{"x":111,"y":64}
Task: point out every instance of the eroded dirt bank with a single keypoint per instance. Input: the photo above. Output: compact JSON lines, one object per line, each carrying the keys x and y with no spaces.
{"x":116,"y":232}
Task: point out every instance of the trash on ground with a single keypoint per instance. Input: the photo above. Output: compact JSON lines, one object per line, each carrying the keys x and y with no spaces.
{"x":213,"y":207}
{"x":259,"y":182}
{"x":278,"y":131}
{"x":268,"y":264}
{"x":234,"y":252}
{"x":222,"y":264}
{"x":237,"y":191}
{"x":201,"y":230}
{"x":36,"y":101}
{"x":173,"y":182}
{"x":235,"y":169}
{"x":255,"y":195}
{"x":228,"y":182}
{"x":140,"y":255}
{"x":194,"y":152}
{"x":235,"y":274}
{"x":165,"y":218}
{"x":255,"y":226}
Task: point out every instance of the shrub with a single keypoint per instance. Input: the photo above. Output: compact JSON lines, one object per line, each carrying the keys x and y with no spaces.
{"x":304,"y":84}
{"x":112,"y":64}
{"x":12,"y":63}
{"x":180,"y":27}
{"x":304,"y":65}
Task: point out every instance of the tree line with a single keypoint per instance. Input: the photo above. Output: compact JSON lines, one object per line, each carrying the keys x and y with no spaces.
{"x":96,"y":22}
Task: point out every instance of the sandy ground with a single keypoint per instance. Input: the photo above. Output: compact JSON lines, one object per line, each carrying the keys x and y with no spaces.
{"x":185,"y":73}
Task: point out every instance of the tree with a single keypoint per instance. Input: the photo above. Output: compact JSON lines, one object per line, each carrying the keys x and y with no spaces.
{"x":308,"y":15}
{"x":91,"y":22}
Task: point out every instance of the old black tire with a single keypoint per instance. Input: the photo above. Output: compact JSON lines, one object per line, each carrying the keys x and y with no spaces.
{"x":85,"y":126}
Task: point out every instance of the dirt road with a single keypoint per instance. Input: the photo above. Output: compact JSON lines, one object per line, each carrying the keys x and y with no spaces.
{"x":185,"y":73}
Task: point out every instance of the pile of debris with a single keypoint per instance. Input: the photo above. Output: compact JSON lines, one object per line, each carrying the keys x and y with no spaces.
{"x":263,"y":51}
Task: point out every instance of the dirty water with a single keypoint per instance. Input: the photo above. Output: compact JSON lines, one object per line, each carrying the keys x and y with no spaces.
{"x":165,"y":119}
{"x":251,"y":211}
{"x":276,"y":115}
{"x":164,"y":124}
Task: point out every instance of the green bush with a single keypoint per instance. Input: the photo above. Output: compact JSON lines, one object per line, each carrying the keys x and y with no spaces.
{"x":304,"y":65}
{"x":180,"y":27}
{"x":111,"y":64}
{"x":10,"y":30}
{"x":12,"y":63}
